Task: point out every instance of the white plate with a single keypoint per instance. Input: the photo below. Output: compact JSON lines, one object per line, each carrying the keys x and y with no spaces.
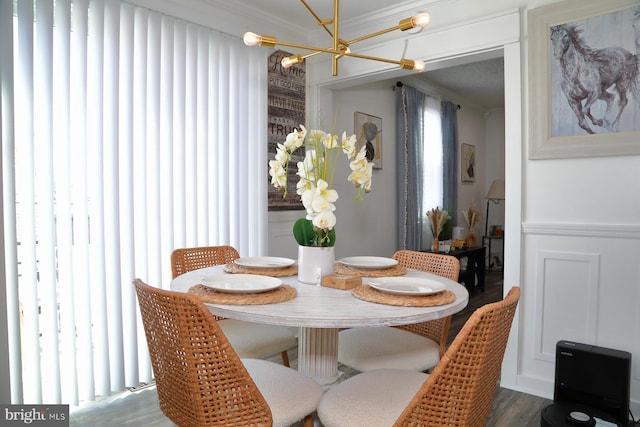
{"x":265,"y":262}
{"x":369,"y":262}
{"x":407,"y":285}
{"x":241,"y":283}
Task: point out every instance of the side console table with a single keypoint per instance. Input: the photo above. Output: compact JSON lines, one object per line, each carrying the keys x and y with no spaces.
{"x":474,"y":273}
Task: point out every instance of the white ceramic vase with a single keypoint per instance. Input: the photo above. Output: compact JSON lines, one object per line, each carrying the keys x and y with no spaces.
{"x":314,"y":262}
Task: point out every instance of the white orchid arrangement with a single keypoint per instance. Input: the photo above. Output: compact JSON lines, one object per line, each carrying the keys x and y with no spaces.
{"x":316,"y":173}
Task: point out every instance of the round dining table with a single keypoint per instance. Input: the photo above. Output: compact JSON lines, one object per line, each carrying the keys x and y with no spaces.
{"x":320,"y":312}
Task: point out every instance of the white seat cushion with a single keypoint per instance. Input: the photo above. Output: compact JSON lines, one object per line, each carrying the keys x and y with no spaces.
{"x":290,"y":395}
{"x":375,"y":398}
{"x":256,"y":340}
{"x":366,"y":349}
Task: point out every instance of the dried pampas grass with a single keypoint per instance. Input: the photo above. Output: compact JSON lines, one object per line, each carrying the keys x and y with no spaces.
{"x":437,"y":218}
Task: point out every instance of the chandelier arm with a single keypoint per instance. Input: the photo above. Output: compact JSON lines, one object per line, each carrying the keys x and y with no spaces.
{"x":336,"y":40}
{"x":377,"y":33}
{"x":301,"y":46}
{"x":318,"y":20}
{"x":404,"y":63}
{"x":373,"y":58}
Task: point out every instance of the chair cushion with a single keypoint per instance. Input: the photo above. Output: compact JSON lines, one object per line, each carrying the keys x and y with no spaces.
{"x":256,"y":340}
{"x":290,"y":395}
{"x":375,"y":398}
{"x":366,"y":349}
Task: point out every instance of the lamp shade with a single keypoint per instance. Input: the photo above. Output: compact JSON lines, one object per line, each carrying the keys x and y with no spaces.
{"x":496,"y":191}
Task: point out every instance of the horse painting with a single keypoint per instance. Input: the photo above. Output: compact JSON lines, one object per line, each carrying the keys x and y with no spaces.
{"x":589,"y":75}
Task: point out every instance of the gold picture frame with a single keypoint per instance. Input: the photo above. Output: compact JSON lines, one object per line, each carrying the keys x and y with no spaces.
{"x":368,"y":131}
{"x":468,"y":162}
{"x":556,"y":128}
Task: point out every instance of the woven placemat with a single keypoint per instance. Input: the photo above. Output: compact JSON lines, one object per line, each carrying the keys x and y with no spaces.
{"x":280,"y":294}
{"x":345,"y":270}
{"x":234,"y":268}
{"x":367,"y":293}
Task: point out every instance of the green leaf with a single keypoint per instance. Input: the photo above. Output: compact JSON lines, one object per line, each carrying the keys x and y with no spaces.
{"x":303,"y":232}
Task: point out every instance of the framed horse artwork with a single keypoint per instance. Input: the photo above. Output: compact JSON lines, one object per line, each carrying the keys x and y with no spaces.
{"x":584,"y":70}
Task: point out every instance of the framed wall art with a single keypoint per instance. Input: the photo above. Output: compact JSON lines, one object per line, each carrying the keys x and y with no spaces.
{"x":584,"y":86}
{"x":286,"y":111}
{"x":468,"y":163}
{"x":368,"y":130}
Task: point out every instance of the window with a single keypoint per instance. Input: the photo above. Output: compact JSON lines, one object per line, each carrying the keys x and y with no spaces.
{"x":433,"y":156}
{"x":129,"y":131}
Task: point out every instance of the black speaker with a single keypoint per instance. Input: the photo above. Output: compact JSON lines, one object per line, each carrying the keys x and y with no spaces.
{"x":590,"y":381}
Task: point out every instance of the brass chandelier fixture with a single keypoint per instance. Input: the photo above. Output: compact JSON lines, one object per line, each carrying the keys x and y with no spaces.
{"x":341,"y":47}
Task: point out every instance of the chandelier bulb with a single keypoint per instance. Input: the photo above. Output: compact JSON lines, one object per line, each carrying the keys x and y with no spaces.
{"x":421,"y":19}
{"x":419,"y":65}
{"x":288,"y":61}
{"x":251,"y":39}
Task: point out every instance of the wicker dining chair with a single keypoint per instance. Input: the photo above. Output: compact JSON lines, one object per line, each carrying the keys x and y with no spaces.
{"x":459,"y":391}
{"x":249,"y":339}
{"x":417,"y":346}
{"x":200,"y":379}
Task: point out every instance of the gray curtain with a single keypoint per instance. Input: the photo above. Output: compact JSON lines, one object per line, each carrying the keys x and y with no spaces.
{"x":409,"y":137}
{"x":450,"y":158}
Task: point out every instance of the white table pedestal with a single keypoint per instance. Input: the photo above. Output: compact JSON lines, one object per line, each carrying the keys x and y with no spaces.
{"x":318,"y":354}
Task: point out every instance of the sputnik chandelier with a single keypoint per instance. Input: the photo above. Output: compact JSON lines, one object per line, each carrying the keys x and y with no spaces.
{"x":341,"y":47}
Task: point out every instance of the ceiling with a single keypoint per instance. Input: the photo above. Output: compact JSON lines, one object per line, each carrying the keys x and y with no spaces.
{"x":481,"y":82}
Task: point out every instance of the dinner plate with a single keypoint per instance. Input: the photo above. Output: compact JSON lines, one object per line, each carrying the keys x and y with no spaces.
{"x":241,"y":283}
{"x":368,"y":262}
{"x":265,"y":262}
{"x":407,"y":285}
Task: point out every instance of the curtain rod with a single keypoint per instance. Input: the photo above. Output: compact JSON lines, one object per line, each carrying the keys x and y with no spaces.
{"x":400,"y":84}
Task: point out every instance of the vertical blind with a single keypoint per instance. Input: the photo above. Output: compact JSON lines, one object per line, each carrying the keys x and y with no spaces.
{"x":125,"y":134}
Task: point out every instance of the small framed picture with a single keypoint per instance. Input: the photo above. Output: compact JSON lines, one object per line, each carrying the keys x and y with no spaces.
{"x":368,"y":130}
{"x":468,"y":162}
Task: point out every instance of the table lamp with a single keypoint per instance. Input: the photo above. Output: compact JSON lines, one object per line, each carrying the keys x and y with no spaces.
{"x":495,"y":194}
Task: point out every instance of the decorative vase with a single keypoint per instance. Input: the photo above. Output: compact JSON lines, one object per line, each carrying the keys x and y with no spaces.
{"x":315,"y":262}
{"x":471,"y":240}
{"x":436,"y":245}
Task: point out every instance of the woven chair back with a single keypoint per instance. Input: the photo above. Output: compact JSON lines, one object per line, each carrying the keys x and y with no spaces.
{"x":188,"y":259}
{"x":459,"y":391}
{"x":443,"y":265}
{"x":199,"y":377}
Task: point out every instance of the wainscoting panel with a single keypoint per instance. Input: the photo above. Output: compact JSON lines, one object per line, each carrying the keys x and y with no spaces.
{"x":580,"y":282}
{"x":566,"y":300}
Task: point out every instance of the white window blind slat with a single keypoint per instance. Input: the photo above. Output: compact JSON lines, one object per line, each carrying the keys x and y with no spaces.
{"x":112,"y":195}
{"x":125,"y":137}
{"x":152,"y":185}
{"x":80,"y":202}
{"x":179,"y":153}
{"x":26,"y":204}
{"x":7,"y":134}
{"x":166,"y":145}
{"x":96,"y":171}
{"x":63,"y":206}
{"x":201,"y":79}
{"x":44,"y":193}
{"x":194,"y":237}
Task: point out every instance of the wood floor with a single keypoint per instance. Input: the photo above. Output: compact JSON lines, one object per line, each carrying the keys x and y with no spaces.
{"x":140,"y":408}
